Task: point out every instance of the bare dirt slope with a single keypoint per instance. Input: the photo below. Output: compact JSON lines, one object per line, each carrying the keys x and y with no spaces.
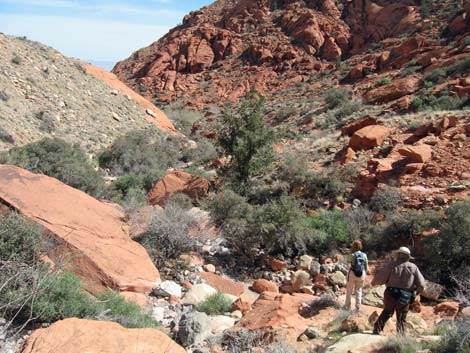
{"x":43,"y":93}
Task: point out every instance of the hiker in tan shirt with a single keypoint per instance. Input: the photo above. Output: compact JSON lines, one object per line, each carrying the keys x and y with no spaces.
{"x":403,"y":281}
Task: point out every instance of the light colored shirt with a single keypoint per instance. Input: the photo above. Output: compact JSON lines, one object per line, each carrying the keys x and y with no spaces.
{"x":366,"y":262}
{"x":399,"y":274}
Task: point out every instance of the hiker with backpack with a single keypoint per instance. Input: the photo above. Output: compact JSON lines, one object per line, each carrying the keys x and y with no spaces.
{"x":357,"y":274}
{"x":403,"y":281}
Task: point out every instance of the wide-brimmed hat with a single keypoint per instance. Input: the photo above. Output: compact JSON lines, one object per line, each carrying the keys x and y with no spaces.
{"x":405,"y":251}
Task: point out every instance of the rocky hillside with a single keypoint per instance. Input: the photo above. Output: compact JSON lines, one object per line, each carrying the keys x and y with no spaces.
{"x":43,"y":93}
{"x":222,"y":50}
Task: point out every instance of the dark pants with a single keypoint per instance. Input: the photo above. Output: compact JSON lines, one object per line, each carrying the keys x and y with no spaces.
{"x":392,"y":305}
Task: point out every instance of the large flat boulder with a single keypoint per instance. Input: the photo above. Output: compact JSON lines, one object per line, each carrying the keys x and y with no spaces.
{"x":192,"y":185}
{"x":78,"y":336}
{"x":222,"y":284}
{"x":369,"y":137}
{"x":273,"y":311}
{"x":90,"y":237}
{"x":394,"y":90}
{"x":357,"y":343}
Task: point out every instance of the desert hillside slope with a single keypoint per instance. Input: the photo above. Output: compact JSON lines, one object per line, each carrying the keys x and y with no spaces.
{"x":43,"y":93}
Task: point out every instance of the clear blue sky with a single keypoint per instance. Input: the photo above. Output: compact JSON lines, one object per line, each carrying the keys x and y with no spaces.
{"x":100,"y":30}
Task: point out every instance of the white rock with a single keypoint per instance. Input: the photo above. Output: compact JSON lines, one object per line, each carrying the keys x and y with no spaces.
{"x":237,"y":314}
{"x":158,"y":314}
{"x":151,"y":113}
{"x":209,"y":268}
{"x":198,"y":293}
{"x":168,"y":288}
{"x":356,"y":343}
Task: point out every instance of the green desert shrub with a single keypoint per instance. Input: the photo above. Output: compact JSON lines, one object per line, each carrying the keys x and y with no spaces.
{"x":113,"y":307}
{"x":456,"y":339}
{"x":448,"y":252}
{"x":401,"y":344}
{"x":183,"y":119}
{"x":277,"y":227}
{"x":404,"y":227}
{"x":58,"y":159}
{"x":143,"y":153}
{"x":246,"y":138}
{"x":166,"y":237}
{"x":205,"y":152}
{"x":330,"y":231}
{"x":20,"y":239}
{"x":384,"y":81}
{"x":62,"y":296}
{"x":215,"y":304}
{"x":226,"y":205}
{"x":385,"y":199}
{"x":361,"y":224}
{"x":337,"y":97}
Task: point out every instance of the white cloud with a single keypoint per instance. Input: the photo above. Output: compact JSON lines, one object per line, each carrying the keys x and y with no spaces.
{"x":96,"y":39}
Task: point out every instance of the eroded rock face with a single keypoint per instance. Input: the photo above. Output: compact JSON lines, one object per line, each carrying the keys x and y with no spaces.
{"x":90,"y":236}
{"x":191,"y":185}
{"x":260,"y":38}
{"x":78,"y":336}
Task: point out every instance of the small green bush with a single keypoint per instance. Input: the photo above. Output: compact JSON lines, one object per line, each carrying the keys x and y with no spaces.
{"x":20,"y":239}
{"x":226,"y":205}
{"x":449,"y":251}
{"x":166,"y":237}
{"x":385,"y":199}
{"x":330,"y":231}
{"x":404,"y":227}
{"x":115,"y":308}
{"x":402,"y":344}
{"x":383,"y":81}
{"x":435,"y":76}
{"x":205,"y":152}
{"x":62,"y":296}
{"x":215,"y":304}
{"x":182,"y":118}
{"x":417,"y":103}
{"x":337,"y":97}
{"x":361,"y":224}
{"x":58,"y":159}
{"x":5,"y":136}
{"x":16,"y":60}
{"x":144,"y":153}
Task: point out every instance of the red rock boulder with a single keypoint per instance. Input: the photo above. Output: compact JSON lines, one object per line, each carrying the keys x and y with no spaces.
{"x":224,"y":285}
{"x":263,"y":285}
{"x":398,"y":88}
{"x":369,"y":137}
{"x":192,"y":185}
{"x":78,"y":336}
{"x":417,"y":154}
{"x":352,"y":127}
{"x":272,"y":312}
{"x":91,"y":237}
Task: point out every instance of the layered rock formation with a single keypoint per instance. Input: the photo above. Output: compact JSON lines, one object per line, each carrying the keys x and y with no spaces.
{"x":90,"y":238}
{"x":223,"y":50}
